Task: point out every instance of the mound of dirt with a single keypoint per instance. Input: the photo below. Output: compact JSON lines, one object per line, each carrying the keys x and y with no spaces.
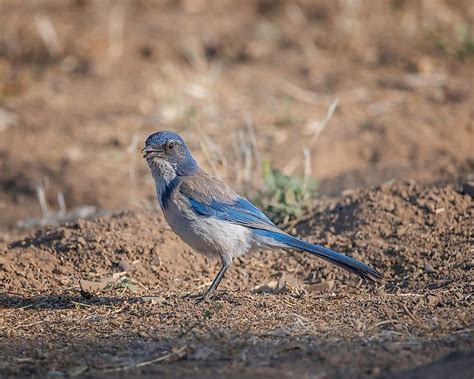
{"x":417,"y":236}
{"x":275,"y":311}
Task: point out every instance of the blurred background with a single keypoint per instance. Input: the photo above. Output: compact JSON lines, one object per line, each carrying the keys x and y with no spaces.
{"x":344,"y":94}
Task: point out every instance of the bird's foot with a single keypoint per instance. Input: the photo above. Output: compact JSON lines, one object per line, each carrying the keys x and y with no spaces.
{"x":198,"y":298}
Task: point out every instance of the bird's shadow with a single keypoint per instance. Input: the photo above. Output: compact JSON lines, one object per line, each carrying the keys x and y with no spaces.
{"x":62,"y":301}
{"x":217,"y":296}
{"x":10,"y":300}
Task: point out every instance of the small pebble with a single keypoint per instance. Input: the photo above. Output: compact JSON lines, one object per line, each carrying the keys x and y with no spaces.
{"x":321,"y":287}
{"x":428,"y":268}
{"x":154,"y":299}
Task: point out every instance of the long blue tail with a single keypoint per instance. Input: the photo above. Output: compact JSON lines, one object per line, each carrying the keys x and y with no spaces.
{"x":343,"y":261}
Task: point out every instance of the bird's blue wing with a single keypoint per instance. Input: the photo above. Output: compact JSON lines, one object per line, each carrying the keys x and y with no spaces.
{"x":210,"y":197}
{"x":241,"y":212}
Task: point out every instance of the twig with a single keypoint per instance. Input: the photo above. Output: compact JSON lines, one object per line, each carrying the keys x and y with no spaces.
{"x":24,"y":307}
{"x":30,"y":324}
{"x":468,"y":330}
{"x":175,"y":354}
{"x":382,"y":323}
{"x":411,"y":315}
{"x":81,"y":304}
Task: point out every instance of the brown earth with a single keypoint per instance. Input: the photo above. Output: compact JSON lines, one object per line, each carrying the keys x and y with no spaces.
{"x":83,"y":82}
{"x":74,"y":112}
{"x":275,"y":312}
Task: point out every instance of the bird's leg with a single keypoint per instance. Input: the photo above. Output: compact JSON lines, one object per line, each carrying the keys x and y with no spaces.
{"x":226,"y":262}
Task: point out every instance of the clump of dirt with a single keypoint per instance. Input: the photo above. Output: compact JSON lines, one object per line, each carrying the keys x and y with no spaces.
{"x":274,"y":311}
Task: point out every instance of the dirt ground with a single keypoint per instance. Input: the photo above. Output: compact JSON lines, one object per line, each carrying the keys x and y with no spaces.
{"x":275,"y":312}
{"x":389,"y":83}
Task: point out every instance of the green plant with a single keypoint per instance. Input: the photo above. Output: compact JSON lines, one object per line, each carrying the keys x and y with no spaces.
{"x":207,"y":314}
{"x":284,"y":197}
{"x":459,"y":44}
{"x":465,"y":35}
{"x":123,"y":283}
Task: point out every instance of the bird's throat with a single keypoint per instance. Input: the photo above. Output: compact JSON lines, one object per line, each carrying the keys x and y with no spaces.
{"x":164,"y":174}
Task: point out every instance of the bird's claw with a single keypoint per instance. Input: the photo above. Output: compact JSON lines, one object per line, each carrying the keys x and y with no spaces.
{"x":198,"y":298}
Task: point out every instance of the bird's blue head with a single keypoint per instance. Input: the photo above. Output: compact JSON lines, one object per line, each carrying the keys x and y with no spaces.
{"x":168,"y":151}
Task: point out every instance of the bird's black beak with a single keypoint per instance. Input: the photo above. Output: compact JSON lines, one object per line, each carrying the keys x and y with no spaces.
{"x":151,"y":151}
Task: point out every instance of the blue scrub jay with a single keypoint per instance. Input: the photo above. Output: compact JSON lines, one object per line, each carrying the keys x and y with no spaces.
{"x":213,"y":219}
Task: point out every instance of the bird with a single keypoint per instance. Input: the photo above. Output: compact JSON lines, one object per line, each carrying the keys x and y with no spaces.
{"x":214,"y":220}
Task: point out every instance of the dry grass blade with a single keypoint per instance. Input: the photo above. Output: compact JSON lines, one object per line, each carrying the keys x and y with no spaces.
{"x":307,"y":168}
{"x":62,"y":204}
{"x":41,"y":195}
{"x":48,"y":34}
{"x":382,"y":323}
{"x":207,"y":148}
{"x":319,"y":126}
{"x":299,"y":93}
{"x":316,"y":128}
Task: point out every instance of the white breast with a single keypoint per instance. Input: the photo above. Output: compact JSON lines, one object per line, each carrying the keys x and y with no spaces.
{"x":206,"y":235}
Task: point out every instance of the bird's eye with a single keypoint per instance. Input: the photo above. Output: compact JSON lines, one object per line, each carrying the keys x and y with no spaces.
{"x":170,"y":145}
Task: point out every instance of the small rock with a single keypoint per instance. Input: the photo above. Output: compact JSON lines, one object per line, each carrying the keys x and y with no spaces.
{"x":287,"y":282}
{"x":375,"y":371}
{"x":428,"y":268}
{"x":125,"y":265}
{"x":280,"y":332}
{"x":154,"y":299}
{"x":82,"y":241}
{"x":269,"y":287}
{"x":89,"y":286}
{"x":203,"y":353}
{"x":468,"y":188}
{"x":3,"y":261}
{"x":60,"y":270}
{"x":156,"y":260}
{"x":321,"y":287}
{"x":431,"y":299}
